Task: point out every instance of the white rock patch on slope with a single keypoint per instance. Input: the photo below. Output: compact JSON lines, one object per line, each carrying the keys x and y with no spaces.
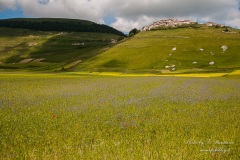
{"x":26,"y":60}
{"x":211,"y":63}
{"x":224,"y":48}
{"x":172,"y":66}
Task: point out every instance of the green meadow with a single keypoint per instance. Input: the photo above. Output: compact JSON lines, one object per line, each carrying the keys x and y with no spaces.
{"x":72,"y":116}
{"x":172,"y":51}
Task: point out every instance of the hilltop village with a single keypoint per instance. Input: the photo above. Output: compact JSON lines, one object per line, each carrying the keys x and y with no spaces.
{"x":174,"y":23}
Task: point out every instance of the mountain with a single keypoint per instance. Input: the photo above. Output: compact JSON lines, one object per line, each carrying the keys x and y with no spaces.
{"x":206,"y":48}
{"x":58,"y":24}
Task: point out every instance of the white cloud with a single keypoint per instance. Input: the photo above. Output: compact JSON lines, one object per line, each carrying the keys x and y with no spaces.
{"x":124,"y":24}
{"x":220,"y":11}
{"x":7,"y":4}
{"x":127,"y":24}
{"x":131,"y":13}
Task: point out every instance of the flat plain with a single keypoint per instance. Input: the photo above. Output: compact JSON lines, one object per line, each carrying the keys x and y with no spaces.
{"x":70,"y":116}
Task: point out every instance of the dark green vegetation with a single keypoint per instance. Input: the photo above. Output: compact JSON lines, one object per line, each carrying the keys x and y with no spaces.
{"x":23,"y":49}
{"x":73,"y":117}
{"x":55,"y":24}
{"x":133,"y":32}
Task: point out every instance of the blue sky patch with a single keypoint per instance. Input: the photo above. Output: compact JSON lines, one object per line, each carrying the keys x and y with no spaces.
{"x":43,"y":1}
{"x":109,"y":20}
{"x":9,"y":13}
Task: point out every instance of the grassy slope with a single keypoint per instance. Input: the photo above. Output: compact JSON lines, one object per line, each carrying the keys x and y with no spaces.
{"x":150,"y":51}
{"x":55,"y":48}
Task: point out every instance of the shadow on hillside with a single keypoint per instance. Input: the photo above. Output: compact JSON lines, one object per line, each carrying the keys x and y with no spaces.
{"x":56,"y":51}
{"x":16,"y":51}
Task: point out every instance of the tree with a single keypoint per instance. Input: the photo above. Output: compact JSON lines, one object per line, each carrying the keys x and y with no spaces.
{"x":133,"y":32}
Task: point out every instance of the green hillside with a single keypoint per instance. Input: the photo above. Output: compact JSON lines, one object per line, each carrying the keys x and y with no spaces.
{"x":183,"y":50}
{"x":23,"y":49}
{"x":176,"y":50}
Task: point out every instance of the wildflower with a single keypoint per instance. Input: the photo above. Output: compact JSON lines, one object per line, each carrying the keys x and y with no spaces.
{"x":54,"y":116}
{"x":214,"y":155}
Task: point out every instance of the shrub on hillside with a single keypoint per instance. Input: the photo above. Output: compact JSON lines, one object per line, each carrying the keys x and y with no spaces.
{"x":133,"y":32}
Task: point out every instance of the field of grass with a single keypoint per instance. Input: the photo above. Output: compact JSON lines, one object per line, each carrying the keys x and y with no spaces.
{"x":188,"y":50}
{"x":69,"y":116}
{"x":23,"y":49}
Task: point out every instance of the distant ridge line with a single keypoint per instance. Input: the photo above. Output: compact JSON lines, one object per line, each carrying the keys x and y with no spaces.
{"x":58,"y":24}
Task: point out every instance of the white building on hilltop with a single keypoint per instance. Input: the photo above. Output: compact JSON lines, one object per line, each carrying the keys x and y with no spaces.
{"x":167,"y":23}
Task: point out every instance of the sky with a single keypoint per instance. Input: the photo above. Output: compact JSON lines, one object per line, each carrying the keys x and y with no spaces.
{"x":125,"y":15}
